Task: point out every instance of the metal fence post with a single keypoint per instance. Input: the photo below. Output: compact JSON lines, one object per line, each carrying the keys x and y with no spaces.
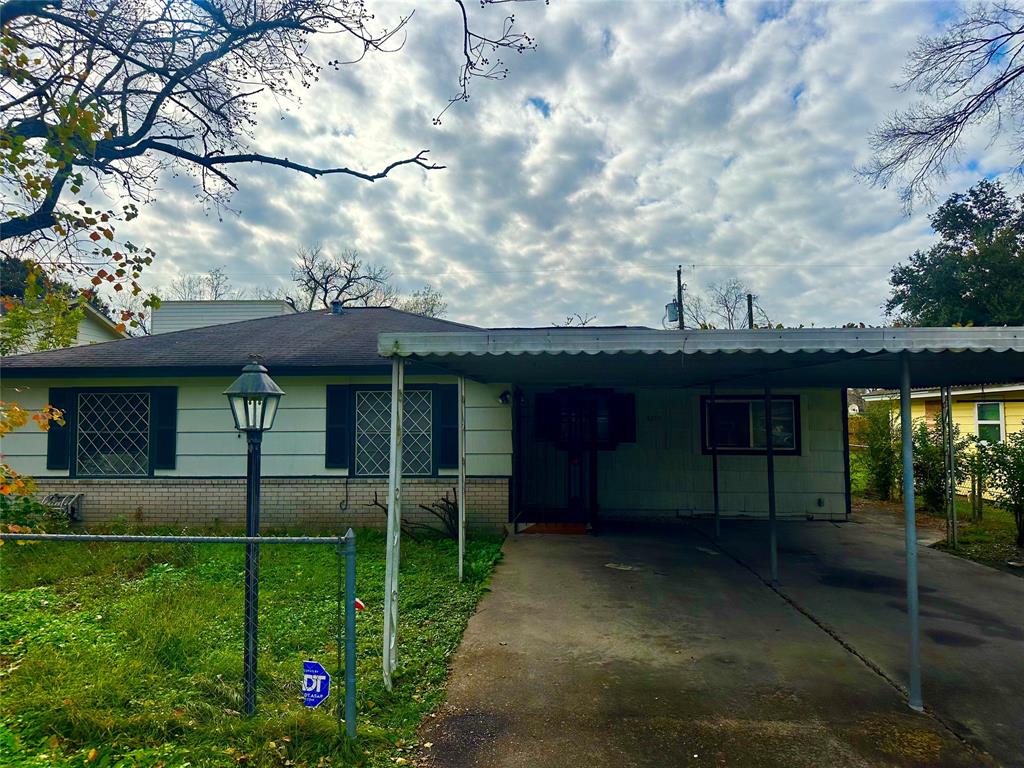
{"x":252,"y":572}
{"x":350,"y":633}
{"x":339,"y":621}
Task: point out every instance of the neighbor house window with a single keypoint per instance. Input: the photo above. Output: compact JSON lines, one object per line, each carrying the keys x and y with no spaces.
{"x":990,"y":422}
{"x":736,"y":424}
{"x":112,"y":438}
{"x":373,"y":432}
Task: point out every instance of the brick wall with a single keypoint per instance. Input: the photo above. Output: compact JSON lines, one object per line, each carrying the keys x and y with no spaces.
{"x":288,"y":503}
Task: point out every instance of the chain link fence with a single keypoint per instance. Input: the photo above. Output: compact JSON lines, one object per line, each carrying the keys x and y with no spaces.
{"x":132,"y":641}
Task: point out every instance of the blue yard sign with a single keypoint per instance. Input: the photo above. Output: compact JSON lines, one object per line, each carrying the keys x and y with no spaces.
{"x":316,"y":683}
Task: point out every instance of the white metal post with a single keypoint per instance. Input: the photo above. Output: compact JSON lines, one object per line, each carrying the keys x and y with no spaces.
{"x":769,"y":443}
{"x":910,"y":534}
{"x":462,"y":473}
{"x":394,"y":532}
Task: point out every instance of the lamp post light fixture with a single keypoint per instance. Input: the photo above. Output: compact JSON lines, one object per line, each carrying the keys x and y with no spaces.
{"x":254,"y":398}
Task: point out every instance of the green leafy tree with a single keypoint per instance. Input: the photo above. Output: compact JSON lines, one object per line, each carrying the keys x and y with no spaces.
{"x":1006,"y":472}
{"x":44,"y":317}
{"x":974,"y":274}
{"x":881,"y":438}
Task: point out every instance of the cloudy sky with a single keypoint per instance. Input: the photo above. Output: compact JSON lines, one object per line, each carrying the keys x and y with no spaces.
{"x":638,"y":136}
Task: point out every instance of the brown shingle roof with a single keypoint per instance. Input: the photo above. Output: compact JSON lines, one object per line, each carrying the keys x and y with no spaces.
{"x":301,"y":343}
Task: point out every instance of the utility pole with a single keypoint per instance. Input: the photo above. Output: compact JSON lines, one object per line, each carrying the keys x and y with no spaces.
{"x":750,"y":311}
{"x":679,"y":296}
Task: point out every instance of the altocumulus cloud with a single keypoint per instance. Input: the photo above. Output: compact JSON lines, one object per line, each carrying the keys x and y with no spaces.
{"x":638,"y":136}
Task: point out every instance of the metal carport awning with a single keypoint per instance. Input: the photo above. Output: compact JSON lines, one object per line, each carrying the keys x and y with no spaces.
{"x":827,"y":358}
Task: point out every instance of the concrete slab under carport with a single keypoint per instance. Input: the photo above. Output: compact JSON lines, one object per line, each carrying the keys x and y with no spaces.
{"x":850,"y":577}
{"x":655,"y":649}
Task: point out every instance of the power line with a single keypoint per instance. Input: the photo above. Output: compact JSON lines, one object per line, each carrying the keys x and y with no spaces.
{"x":456,"y":270}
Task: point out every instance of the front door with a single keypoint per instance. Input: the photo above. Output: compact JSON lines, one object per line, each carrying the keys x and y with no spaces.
{"x":570,"y":426}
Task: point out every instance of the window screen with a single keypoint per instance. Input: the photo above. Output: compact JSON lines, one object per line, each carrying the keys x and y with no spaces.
{"x":373,"y":433}
{"x":113,"y":434}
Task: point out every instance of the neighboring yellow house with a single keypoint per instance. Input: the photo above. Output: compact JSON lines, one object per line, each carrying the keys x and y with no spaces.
{"x":990,"y":413}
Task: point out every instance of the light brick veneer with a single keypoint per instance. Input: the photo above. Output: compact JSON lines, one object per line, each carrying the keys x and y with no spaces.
{"x":286,"y":503}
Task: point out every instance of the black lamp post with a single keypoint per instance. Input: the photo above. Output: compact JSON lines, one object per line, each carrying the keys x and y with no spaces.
{"x":254,"y":398}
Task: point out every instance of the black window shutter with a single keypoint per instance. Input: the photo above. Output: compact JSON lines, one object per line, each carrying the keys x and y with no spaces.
{"x":164,"y":419}
{"x":58,"y":438}
{"x":339,"y":426}
{"x":623,"y":417}
{"x":446,"y":426}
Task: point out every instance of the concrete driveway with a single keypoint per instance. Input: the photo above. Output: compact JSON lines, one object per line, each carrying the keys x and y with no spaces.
{"x":657,"y":649}
{"x":850,"y":578}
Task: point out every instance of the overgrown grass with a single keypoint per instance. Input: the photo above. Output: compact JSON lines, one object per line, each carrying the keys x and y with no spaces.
{"x":859,"y":477}
{"x":992,"y":541}
{"x":130,"y":655}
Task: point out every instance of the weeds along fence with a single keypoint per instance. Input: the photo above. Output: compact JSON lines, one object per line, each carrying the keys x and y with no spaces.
{"x":138,"y":638}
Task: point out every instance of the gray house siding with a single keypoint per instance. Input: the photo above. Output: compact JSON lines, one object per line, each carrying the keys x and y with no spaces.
{"x":665,"y":474}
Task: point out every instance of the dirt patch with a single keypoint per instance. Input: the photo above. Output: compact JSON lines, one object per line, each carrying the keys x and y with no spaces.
{"x":892,"y":512}
{"x":457,"y":737}
{"x":906,"y":744}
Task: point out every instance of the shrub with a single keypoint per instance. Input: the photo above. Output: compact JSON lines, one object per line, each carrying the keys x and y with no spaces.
{"x":1005,"y":462}
{"x":26,"y":512}
{"x":930,"y":464}
{"x":881,"y":436}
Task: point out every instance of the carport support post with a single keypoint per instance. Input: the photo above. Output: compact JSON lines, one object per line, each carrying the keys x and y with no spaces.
{"x":769,"y":443}
{"x":462,"y":473}
{"x":910,"y":533}
{"x":394,"y":532}
{"x":710,"y":417}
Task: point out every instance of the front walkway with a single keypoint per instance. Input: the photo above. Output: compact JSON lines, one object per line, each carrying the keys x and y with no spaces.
{"x":659,"y":650}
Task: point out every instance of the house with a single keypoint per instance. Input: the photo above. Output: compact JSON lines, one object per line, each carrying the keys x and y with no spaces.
{"x":93,"y":327}
{"x":987,"y":412}
{"x":182,"y":315}
{"x":96,"y":327}
{"x":653,"y":424}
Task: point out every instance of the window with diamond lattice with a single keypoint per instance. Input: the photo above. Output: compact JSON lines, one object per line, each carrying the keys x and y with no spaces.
{"x":113,"y":434}
{"x":373,"y":433}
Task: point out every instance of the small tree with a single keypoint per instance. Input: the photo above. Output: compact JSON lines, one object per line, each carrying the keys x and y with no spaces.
{"x":976,"y":466}
{"x":881,"y":438}
{"x":930,"y":463}
{"x":1005,"y":462}
{"x":322,"y":278}
{"x":723,"y":306}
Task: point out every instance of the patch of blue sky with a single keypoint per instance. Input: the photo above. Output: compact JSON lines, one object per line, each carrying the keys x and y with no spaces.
{"x":607,"y":41}
{"x":540,"y":105}
{"x":776,"y":9}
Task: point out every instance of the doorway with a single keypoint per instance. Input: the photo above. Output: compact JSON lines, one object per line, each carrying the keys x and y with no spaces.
{"x":567,"y":429}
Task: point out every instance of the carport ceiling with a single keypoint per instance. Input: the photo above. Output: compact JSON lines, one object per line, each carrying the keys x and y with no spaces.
{"x":831,"y":357}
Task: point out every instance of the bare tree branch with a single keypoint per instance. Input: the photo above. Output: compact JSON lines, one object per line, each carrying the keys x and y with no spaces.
{"x":970,"y":77}
{"x":125,"y":90}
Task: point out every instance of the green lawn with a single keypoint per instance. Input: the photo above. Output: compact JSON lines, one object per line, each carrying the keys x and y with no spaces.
{"x":992,"y":541}
{"x":130,"y":655}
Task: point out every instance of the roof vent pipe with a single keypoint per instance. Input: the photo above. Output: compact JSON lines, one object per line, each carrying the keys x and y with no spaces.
{"x":336,"y":307}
